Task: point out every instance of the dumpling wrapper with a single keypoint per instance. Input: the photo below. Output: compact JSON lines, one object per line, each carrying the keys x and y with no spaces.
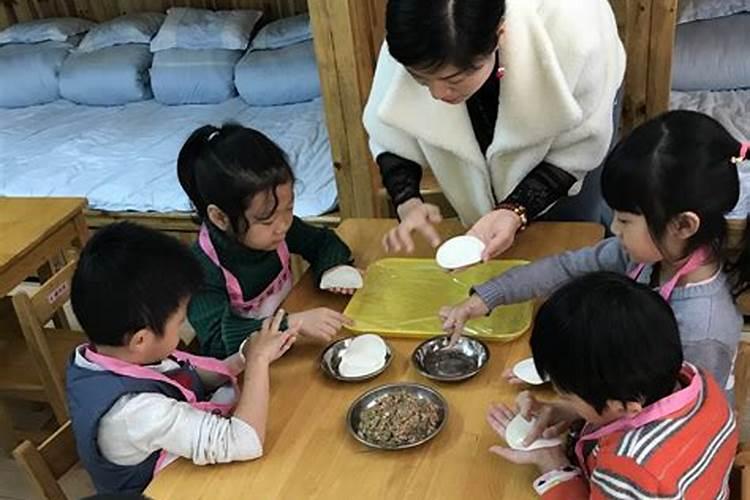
{"x":365,"y":354}
{"x":526,"y":371}
{"x":461,"y":251}
{"x":519,"y":428}
{"x":341,"y":277}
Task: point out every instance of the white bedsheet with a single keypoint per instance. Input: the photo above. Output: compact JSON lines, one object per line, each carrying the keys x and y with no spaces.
{"x":124,"y":158}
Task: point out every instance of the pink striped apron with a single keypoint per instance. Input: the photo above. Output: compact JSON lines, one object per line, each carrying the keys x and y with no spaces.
{"x":123,"y":368}
{"x":268,"y":302}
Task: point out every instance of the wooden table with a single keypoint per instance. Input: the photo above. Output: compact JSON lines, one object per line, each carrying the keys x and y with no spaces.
{"x":33,"y":231}
{"x":309,"y":453}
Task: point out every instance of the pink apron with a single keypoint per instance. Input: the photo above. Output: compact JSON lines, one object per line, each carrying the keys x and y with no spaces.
{"x":268,"y":302}
{"x":656,"y":411}
{"x":696,"y":260}
{"x":140,"y":372}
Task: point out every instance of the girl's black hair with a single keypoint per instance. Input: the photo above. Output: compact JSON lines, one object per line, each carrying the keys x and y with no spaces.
{"x":680,"y":162}
{"x":227,"y":167}
{"x":429,"y":34}
{"x":604,"y":337}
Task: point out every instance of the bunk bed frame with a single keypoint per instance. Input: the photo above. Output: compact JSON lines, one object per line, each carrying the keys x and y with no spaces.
{"x":347,"y":37}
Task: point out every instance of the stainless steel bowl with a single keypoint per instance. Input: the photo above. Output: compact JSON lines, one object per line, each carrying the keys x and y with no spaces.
{"x":331,"y":359}
{"x":434,"y":359}
{"x":371,"y":397}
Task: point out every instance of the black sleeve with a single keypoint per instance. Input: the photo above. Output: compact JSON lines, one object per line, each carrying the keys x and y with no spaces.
{"x":544,"y":186}
{"x":401,"y":177}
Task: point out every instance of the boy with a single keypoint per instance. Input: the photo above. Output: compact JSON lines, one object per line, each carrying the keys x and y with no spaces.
{"x":655,"y":427}
{"x":135,"y":401}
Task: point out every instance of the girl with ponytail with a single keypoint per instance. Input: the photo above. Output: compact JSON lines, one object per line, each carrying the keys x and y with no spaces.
{"x":671,"y":184}
{"x":242,"y":188}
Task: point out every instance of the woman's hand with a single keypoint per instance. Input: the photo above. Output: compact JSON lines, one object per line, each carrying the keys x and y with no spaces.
{"x":546,"y":459}
{"x":417,"y":216}
{"x":497,"y":230}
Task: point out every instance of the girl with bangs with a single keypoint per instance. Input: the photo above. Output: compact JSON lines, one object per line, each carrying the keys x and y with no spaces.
{"x":670,"y":184}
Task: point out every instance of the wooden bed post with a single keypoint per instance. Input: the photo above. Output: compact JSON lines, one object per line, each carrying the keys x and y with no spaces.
{"x":346,"y":52}
{"x":647,"y":28}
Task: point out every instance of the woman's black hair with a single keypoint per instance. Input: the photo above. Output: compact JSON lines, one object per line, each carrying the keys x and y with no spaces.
{"x":227,"y":167}
{"x":679,"y":162}
{"x":605,"y":337}
{"x":430,"y":34}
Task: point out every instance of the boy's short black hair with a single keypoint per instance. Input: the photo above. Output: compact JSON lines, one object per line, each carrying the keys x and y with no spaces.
{"x":605,"y":337}
{"x":130,"y":277}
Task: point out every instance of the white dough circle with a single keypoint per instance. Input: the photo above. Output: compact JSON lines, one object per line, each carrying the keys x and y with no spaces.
{"x":366,"y":354}
{"x":519,"y":428}
{"x":461,"y":251}
{"x":341,"y":277}
{"x":526,"y":371}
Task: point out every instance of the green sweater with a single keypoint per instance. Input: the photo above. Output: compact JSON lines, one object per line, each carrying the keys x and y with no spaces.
{"x":220,"y":331}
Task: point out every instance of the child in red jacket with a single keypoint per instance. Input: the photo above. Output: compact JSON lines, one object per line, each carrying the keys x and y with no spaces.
{"x":653,"y":425}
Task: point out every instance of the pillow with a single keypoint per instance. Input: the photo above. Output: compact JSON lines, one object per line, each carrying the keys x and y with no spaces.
{"x":29,"y":73}
{"x":110,"y":76}
{"x":282,"y":33}
{"x":696,"y":10}
{"x":279,"y":76}
{"x":181,"y":76}
{"x":58,"y":29}
{"x":712,"y":55}
{"x":187,"y":28}
{"x":131,"y":28}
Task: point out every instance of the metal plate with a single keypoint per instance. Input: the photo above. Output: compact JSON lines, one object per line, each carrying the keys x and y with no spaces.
{"x":371,"y":397}
{"x":434,"y":359}
{"x":331,"y":359}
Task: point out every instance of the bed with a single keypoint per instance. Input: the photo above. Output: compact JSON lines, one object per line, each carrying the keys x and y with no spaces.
{"x":123,"y":158}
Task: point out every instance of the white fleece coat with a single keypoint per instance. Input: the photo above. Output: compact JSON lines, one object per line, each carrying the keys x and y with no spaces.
{"x":564,"y":65}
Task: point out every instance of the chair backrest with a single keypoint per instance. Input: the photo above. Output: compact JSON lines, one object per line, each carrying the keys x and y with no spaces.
{"x":53,"y":294}
{"x":34,"y":312}
{"x":49,"y":462}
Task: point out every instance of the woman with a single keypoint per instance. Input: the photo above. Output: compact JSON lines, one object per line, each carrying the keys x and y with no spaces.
{"x":509,"y":102}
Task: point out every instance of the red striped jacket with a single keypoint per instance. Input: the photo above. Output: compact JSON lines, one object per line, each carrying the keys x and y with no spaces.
{"x":682,"y":454}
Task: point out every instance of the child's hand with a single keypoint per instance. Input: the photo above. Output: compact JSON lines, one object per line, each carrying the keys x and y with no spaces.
{"x":546,"y":459}
{"x":552,"y":419}
{"x":511,"y":378}
{"x":321,"y":323}
{"x":269,"y":344}
{"x":455,"y":317}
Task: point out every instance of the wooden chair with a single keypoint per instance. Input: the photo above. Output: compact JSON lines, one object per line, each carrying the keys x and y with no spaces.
{"x":32,"y":366}
{"x":46,"y":464}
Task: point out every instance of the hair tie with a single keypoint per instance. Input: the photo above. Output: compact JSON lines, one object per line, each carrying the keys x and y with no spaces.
{"x":743,"y":154}
{"x":212,"y":135}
